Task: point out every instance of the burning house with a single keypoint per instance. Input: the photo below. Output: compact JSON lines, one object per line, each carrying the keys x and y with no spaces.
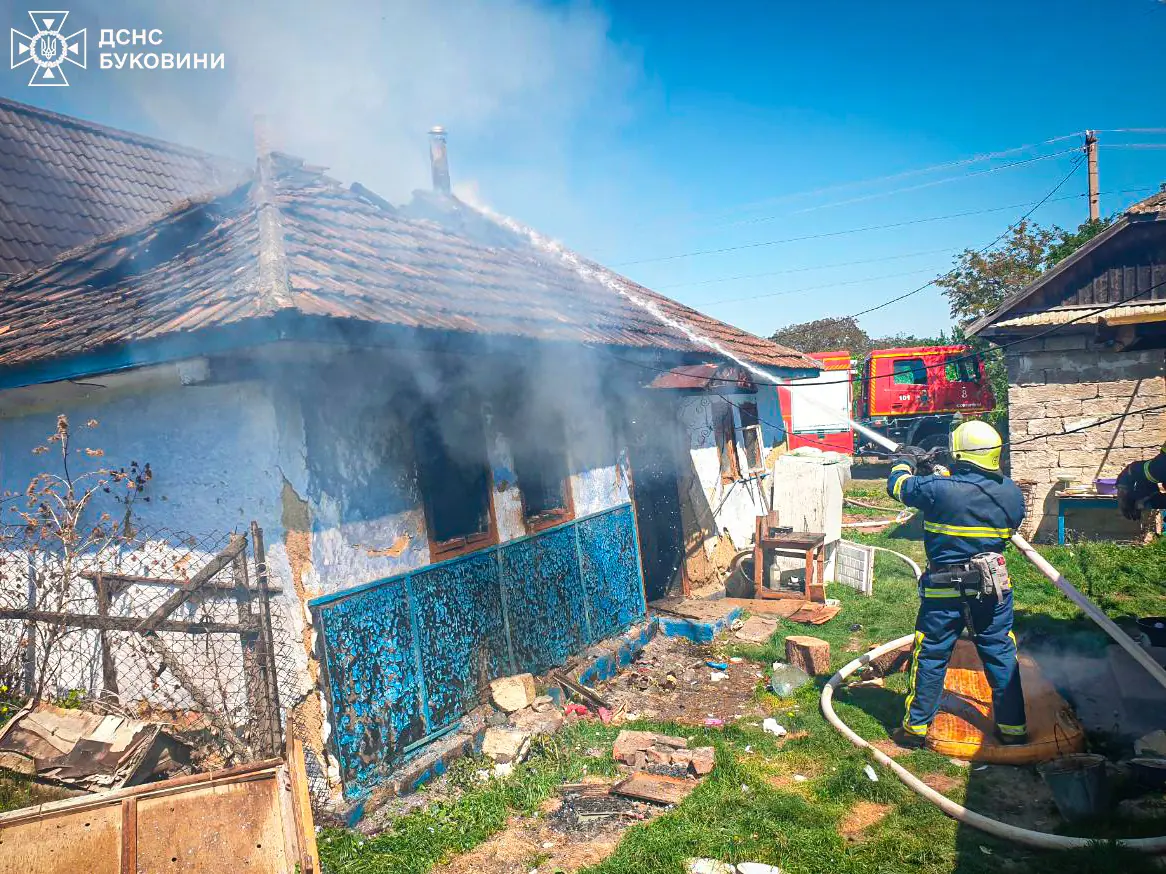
{"x":472,"y":454}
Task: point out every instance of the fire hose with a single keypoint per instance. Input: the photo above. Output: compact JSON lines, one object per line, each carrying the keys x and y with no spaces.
{"x":1026,"y":837}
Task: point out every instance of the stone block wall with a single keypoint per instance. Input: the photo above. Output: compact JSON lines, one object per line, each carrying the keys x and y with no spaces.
{"x":1066,"y":381}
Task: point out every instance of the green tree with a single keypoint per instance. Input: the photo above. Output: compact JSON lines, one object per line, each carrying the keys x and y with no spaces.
{"x":981,"y":281}
{"x":825,"y":335}
{"x":1068,"y":242}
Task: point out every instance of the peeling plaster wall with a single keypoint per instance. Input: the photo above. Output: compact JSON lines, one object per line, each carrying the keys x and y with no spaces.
{"x":733,"y":507}
{"x":211,"y":449}
{"x":600,"y":478}
{"x":216,"y":452}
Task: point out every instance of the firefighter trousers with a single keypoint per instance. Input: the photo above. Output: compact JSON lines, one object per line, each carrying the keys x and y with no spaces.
{"x":937,"y":628}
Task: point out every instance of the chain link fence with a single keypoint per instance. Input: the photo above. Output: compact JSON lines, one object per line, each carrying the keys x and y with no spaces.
{"x":161,"y":625}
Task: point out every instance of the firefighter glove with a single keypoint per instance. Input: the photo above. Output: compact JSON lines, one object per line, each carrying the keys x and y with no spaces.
{"x":918,"y":458}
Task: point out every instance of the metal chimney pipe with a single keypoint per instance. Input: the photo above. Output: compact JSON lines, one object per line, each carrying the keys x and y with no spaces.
{"x":439,"y":160}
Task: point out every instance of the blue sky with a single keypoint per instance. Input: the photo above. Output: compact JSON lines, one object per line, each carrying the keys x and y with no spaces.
{"x":637,"y":130}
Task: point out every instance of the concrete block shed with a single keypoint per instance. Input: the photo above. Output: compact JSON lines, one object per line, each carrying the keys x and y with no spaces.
{"x":447,"y":430}
{"x":1086,"y":369}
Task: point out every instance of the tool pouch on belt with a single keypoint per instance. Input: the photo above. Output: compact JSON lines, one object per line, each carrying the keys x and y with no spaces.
{"x":993,"y":572}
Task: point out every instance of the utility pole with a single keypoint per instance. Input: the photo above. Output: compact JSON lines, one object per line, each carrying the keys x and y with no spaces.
{"x":1094,"y":194}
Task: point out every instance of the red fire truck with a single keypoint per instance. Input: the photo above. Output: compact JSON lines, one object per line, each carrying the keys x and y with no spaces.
{"x":914,"y":395}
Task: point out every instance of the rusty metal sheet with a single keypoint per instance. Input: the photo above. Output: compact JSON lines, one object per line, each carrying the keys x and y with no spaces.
{"x":374,"y":687}
{"x":461,"y":634}
{"x":610,"y":568}
{"x":86,"y":840}
{"x":90,"y":751}
{"x":545,"y":599}
{"x":243,"y":819}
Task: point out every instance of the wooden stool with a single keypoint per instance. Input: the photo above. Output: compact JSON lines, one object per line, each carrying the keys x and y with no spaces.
{"x":811,"y":543}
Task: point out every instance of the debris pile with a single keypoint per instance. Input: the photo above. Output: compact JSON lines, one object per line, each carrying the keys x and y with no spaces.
{"x":647,"y":751}
{"x":588,"y":807}
{"x":676,"y":680}
{"x":93,"y":752}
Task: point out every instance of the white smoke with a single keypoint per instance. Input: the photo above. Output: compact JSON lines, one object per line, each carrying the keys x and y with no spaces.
{"x":355,"y":84}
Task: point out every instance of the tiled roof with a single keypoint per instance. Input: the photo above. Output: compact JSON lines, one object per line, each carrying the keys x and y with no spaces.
{"x":1152,"y":204}
{"x":1087,"y":315}
{"x":64,"y":182}
{"x":345,"y":258}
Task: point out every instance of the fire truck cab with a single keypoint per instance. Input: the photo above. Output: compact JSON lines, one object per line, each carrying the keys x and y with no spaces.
{"x":915,"y":395}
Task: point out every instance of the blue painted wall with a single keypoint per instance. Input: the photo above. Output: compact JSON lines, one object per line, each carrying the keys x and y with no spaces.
{"x":527,"y":605}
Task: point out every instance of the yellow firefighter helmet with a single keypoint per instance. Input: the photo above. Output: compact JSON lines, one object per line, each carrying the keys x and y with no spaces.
{"x":977,"y":443}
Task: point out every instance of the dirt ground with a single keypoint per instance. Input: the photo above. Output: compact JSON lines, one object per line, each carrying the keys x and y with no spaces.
{"x":672,"y":681}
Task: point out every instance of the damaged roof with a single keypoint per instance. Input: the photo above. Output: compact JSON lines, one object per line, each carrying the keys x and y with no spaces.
{"x":290,"y":242}
{"x":64,"y":182}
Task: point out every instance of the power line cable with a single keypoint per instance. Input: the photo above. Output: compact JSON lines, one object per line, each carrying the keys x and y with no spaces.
{"x":835,"y":284}
{"x":876,"y":195}
{"x":807,"y":269}
{"x":743,"y":276}
{"x":946,"y":362}
{"x":904,"y":174}
{"x":1001,"y":236}
{"x":760,"y":244}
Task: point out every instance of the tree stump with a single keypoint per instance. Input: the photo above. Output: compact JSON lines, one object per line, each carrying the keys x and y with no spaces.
{"x":811,"y":654}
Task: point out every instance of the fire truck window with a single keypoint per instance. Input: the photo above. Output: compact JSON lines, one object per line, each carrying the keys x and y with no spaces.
{"x":959,"y":368}
{"x":727,"y":443}
{"x":910,"y":371}
{"x":751,"y":433}
{"x":454,"y":475}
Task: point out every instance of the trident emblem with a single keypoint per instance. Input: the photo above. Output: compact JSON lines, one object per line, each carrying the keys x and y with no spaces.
{"x":48,"y":48}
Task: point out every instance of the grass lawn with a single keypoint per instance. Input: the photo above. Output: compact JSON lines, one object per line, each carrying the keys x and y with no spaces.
{"x":751,"y":808}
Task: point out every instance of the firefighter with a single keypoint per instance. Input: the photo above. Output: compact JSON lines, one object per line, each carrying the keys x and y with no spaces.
{"x":1139,"y":486}
{"x":968,"y":515}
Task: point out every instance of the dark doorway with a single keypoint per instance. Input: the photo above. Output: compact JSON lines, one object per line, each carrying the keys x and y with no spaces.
{"x":653,"y":453}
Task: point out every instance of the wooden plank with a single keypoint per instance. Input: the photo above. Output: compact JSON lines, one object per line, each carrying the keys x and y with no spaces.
{"x":263,"y":770}
{"x":129,"y":836}
{"x":658,"y":789}
{"x":168,"y":582}
{"x":784,"y":608}
{"x":108,"y":667}
{"x":302,"y":807}
{"x":236,"y":820}
{"x":120,"y":623}
{"x":200,"y":579}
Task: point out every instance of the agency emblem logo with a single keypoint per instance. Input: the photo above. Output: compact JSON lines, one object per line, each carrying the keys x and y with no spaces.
{"x":49,"y":49}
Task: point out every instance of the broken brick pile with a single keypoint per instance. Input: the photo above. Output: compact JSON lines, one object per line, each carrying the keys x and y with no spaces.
{"x":641,"y":750}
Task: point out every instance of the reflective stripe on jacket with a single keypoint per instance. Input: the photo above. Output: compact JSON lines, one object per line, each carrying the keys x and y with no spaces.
{"x":968,"y":512}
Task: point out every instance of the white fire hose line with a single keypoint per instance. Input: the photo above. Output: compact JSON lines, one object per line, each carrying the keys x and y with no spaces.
{"x":903,"y":516}
{"x":1026,"y":837}
{"x":918,"y":571}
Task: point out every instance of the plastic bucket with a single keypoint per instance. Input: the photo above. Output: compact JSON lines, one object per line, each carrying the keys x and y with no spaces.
{"x":1079,"y":785}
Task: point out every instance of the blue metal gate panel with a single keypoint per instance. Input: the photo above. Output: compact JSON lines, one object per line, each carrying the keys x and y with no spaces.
{"x":544,"y":599}
{"x":610,"y":564}
{"x":408,"y":655}
{"x":461,"y":634}
{"x":373,"y":681}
